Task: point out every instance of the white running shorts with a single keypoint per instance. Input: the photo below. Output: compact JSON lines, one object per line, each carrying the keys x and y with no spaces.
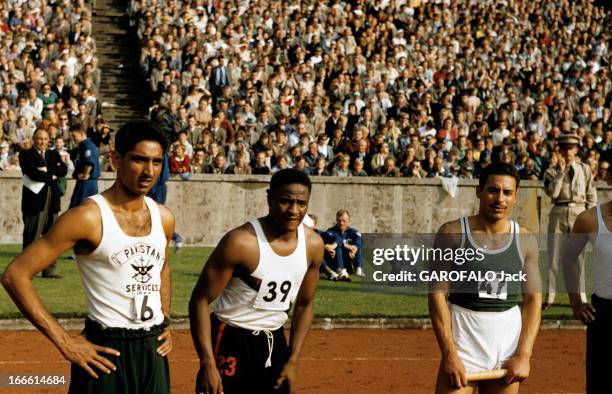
{"x":485,"y":340}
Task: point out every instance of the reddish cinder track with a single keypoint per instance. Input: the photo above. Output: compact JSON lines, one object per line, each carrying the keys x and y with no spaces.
{"x":336,"y":361}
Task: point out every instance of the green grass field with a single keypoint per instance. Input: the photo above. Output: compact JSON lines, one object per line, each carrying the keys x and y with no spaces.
{"x":65,"y":297}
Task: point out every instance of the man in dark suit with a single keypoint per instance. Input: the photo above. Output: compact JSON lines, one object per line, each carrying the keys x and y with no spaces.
{"x":60,"y":88}
{"x":219,"y":79}
{"x":40,"y":200}
{"x":333,"y":121}
{"x":75,"y":33}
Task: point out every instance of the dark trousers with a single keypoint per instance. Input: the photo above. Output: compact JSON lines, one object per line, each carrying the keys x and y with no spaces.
{"x":334,"y":263}
{"x":36,"y":225}
{"x":82,"y":190}
{"x":139,"y":368}
{"x":599,"y":346}
{"x":344,"y":260}
{"x":241,"y":357}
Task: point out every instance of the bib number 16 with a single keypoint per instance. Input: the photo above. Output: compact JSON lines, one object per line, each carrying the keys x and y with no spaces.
{"x":144,"y":307}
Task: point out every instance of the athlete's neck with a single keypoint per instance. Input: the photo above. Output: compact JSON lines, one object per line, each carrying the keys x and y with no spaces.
{"x":121,"y":197}
{"x":481,"y":223}
{"x":274,"y":230}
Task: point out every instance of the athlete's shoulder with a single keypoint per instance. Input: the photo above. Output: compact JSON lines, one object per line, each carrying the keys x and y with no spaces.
{"x":237,"y":247}
{"x":315,"y":245}
{"x":313,"y":239}
{"x":451,"y":227}
{"x":167,"y":218}
{"x":449,"y":234}
{"x":83,"y":222}
{"x":586,"y":221}
{"x":88,"y":213}
{"x":528,"y":241}
{"x":524,"y":230}
{"x":243,"y":236}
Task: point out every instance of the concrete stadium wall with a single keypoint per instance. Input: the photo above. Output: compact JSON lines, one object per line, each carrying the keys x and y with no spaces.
{"x":209,"y":205}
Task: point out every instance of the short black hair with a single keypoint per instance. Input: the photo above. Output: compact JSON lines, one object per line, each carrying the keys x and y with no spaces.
{"x":289,"y":176}
{"x":77,"y":127}
{"x":498,"y":168}
{"x":134,"y":132}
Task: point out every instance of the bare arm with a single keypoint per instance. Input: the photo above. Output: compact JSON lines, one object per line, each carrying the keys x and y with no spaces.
{"x":215,"y":276}
{"x":303,"y":311}
{"x":584,"y":225}
{"x":452,"y":366}
{"x":77,"y":225}
{"x":519,"y":365}
{"x":166,"y":282}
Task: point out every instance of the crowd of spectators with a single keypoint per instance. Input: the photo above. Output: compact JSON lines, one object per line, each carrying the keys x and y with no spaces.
{"x":49,"y":76}
{"x":384,"y":88}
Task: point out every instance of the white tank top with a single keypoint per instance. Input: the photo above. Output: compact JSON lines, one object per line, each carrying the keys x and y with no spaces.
{"x":602,"y":262}
{"x":121,"y":276}
{"x":281,"y":277}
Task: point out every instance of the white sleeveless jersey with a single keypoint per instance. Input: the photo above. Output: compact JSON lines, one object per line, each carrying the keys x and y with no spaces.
{"x":602,"y":259}
{"x":281,"y":277}
{"x":122,"y":276}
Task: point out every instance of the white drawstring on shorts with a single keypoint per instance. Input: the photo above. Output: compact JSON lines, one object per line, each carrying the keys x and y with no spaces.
{"x":270,"y":345}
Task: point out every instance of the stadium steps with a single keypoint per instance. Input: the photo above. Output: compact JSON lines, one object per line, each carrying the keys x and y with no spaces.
{"x":121,"y":91}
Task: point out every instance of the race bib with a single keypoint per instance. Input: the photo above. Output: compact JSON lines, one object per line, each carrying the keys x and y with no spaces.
{"x":146,"y":306}
{"x":276,"y":292}
{"x":495,"y":289}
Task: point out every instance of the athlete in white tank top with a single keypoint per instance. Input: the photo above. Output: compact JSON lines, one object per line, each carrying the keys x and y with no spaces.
{"x":255,"y":273}
{"x":121,"y":276}
{"x":590,"y":226}
{"x":281,"y":277}
{"x":126,"y":278}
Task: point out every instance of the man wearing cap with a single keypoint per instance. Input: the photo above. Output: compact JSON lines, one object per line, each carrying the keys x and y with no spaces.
{"x":570,"y":185}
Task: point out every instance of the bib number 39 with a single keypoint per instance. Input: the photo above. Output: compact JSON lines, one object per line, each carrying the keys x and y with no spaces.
{"x":283,"y":289}
{"x":275,"y":293}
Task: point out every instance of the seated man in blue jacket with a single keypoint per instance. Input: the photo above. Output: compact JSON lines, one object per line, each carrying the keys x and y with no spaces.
{"x":333,"y":254}
{"x":350,"y":241}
